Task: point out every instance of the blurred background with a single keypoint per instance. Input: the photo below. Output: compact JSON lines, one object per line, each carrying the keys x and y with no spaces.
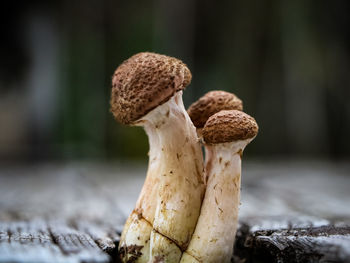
{"x":289,"y":61}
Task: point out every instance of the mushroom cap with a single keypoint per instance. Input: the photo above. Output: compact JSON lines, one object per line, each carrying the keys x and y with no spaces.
{"x":145,"y":81}
{"x":229,"y":126}
{"x":211,"y":103}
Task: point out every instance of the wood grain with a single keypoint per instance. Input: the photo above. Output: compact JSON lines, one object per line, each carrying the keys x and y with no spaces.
{"x":291,"y":212}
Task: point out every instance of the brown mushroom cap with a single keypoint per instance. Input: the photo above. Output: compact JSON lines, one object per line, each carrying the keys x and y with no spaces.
{"x":229,"y":126}
{"x":145,"y":81}
{"x":211,"y":103}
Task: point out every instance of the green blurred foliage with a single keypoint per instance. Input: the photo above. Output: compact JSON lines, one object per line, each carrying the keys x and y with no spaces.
{"x":287,"y":60}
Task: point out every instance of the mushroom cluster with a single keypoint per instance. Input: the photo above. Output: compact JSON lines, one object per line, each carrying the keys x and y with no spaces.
{"x":187,"y":210}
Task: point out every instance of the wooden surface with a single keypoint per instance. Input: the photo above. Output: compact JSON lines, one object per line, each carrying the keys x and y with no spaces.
{"x":290,"y":212}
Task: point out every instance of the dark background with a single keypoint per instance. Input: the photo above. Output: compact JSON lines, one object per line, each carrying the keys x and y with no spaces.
{"x":289,"y":61}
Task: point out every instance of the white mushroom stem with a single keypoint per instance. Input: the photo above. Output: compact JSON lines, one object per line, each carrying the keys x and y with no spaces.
{"x":181,"y":186}
{"x":215,"y":232}
{"x":135,"y":239}
{"x":207,"y":153}
{"x":171,"y":198}
{"x":145,"y":203}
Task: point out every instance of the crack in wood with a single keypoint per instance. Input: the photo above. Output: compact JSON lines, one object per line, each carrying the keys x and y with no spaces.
{"x":55,"y":241}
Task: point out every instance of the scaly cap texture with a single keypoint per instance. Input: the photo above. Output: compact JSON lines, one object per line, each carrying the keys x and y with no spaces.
{"x":211,"y":103}
{"x":229,"y":126}
{"x":143,"y":82}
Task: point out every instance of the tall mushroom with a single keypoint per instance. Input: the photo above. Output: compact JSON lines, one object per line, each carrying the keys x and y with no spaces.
{"x":147,"y":91}
{"x":226,"y":134}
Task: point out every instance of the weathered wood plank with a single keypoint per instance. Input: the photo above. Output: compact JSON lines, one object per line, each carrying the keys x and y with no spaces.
{"x":75,"y":213}
{"x":40,"y":241}
{"x":34,"y":241}
{"x":105,"y":237}
{"x":24,"y":242}
{"x":299,"y":239}
{"x":56,"y":214}
{"x":76,"y":244}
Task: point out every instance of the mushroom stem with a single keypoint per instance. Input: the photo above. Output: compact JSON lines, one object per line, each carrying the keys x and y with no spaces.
{"x":215,"y":232}
{"x":138,"y":227}
{"x":135,"y":240}
{"x":171,"y":198}
{"x":180,"y":186}
{"x":226,"y":134}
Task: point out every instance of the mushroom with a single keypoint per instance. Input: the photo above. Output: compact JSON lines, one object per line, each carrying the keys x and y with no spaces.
{"x":207,"y":105}
{"x":226,"y":134}
{"x":211,"y":103}
{"x":147,"y":91}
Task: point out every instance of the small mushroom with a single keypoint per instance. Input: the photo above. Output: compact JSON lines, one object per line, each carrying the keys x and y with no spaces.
{"x":226,"y":134}
{"x":211,"y":103}
{"x":207,"y":105}
{"x":147,"y":91}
